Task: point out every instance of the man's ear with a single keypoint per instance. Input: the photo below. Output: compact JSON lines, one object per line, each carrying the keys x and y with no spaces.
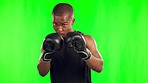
{"x":73,"y":21}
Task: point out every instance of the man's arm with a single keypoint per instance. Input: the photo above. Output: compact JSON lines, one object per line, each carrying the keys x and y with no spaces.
{"x":43,"y":66}
{"x":52,"y":43}
{"x":96,"y":61}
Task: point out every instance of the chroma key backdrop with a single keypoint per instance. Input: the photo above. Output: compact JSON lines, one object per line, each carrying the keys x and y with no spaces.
{"x":119,"y":27}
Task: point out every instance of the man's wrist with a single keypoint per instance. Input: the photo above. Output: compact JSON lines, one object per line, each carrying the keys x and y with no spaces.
{"x":46,"y":56}
{"x":89,"y":55}
{"x":45,"y":61}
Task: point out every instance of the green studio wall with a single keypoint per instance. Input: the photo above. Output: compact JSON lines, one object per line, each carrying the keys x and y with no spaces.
{"x":118,"y":26}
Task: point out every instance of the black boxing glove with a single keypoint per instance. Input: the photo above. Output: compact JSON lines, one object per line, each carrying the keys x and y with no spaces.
{"x":52,"y":43}
{"x":76,"y":40}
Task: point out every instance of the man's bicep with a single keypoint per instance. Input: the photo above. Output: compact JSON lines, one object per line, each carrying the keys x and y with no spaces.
{"x":92,"y":46}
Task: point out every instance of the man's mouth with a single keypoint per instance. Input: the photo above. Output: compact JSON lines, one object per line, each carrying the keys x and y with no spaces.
{"x":62,"y":34}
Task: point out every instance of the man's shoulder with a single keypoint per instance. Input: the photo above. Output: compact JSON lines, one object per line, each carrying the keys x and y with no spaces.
{"x":88,"y":37}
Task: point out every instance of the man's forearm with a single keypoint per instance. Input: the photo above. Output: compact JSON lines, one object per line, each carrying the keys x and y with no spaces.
{"x":95,"y":63}
{"x":43,"y":67}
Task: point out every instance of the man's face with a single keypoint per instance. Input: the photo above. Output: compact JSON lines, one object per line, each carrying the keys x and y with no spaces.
{"x":62,"y":24}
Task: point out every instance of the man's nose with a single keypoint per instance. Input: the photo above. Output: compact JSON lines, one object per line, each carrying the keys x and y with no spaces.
{"x":60,"y":29}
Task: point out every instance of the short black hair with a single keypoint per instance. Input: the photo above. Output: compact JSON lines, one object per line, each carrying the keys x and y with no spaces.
{"x":62,"y":8}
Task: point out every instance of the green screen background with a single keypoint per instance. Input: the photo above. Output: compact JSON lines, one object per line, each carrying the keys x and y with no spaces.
{"x":118,"y":26}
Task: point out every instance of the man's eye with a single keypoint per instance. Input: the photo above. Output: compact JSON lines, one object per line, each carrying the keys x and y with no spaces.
{"x":54,"y":24}
{"x":64,"y":25}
